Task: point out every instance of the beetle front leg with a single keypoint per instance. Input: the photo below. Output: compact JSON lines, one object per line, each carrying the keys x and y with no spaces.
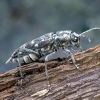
{"x":80,"y":48}
{"x":73,"y":60}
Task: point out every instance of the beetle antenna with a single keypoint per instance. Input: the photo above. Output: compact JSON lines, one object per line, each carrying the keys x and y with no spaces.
{"x":86,"y":37}
{"x":82,"y":34}
{"x":89,"y":30}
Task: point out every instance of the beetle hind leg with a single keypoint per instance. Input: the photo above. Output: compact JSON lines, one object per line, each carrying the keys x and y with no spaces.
{"x":20,"y":70}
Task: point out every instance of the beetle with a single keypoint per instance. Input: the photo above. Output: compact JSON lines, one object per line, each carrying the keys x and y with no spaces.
{"x":45,"y":47}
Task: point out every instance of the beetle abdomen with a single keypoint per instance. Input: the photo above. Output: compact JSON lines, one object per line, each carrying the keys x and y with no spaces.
{"x":24,"y":59}
{"x":28,"y":58}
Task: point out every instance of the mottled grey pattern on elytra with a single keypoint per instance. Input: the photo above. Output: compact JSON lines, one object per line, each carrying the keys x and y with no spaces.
{"x":47,"y":44}
{"x":44,"y":45}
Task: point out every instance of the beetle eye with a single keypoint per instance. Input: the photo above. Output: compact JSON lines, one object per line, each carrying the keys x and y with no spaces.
{"x":74,"y":38}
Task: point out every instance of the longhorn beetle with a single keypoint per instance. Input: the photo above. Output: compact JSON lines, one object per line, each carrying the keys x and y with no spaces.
{"x":46,"y":46}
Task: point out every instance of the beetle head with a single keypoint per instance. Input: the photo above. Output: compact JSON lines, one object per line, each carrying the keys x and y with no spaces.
{"x":75,"y":39}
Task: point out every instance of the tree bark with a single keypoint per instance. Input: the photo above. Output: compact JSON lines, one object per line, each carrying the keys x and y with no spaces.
{"x":67,"y":83}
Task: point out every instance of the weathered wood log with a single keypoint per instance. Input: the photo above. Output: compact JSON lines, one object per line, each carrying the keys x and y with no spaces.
{"x":67,"y":83}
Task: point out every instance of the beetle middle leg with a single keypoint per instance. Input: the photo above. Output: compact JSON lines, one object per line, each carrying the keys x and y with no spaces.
{"x":47,"y":58}
{"x":47,"y":76}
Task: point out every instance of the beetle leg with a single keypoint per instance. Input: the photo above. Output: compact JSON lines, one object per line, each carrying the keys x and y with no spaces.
{"x":20,"y":70}
{"x":81,"y":49}
{"x":48,"y":58}
{"x":73,"y":60}
{"x":19,"y":52}
{"x":47,"y":76}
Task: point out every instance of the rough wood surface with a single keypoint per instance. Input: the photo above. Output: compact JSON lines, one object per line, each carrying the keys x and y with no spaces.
{"x":67,"y":83}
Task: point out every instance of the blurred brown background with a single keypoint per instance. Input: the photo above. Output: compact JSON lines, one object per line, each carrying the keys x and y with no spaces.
{"x":23,"y":20}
